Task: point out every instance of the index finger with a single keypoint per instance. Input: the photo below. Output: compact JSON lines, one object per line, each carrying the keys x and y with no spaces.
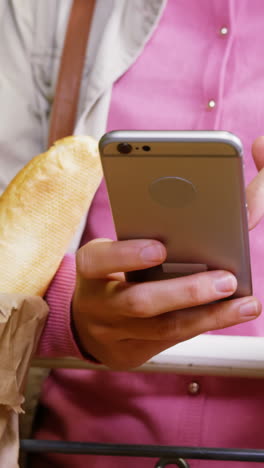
{"x":101,"y":257}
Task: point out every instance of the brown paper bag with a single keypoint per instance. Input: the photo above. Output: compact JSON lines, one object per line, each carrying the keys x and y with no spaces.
{"x":21,"y":321}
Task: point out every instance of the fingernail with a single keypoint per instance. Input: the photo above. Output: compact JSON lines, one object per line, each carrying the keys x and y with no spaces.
{"x":225,"y":283}
{"x":249,"y":309}
{"x":152,"y":253}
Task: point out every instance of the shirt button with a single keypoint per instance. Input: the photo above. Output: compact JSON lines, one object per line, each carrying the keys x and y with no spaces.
{"x":193,"y":388}
{"x":211,"y":104}
{"x":224,"y":31}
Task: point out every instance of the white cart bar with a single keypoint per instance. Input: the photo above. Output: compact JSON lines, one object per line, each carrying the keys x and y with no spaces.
{"x":218,"y":355}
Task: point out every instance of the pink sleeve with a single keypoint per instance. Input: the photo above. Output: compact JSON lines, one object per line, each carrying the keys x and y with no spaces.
{"x":57,"y":338}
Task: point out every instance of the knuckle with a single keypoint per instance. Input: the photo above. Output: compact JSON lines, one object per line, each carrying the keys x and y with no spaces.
{"x":194,"y":291}
{"x":137,"y":302}
{"x":82,"y":260}
{"x":219,"y":321}
{"x":85,"y":260}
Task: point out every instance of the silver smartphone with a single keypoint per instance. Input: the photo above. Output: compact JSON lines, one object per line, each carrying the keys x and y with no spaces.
{"x":185,"y":189}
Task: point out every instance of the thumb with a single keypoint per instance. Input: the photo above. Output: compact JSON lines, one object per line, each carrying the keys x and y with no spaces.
{"x":255,"y":190}
{"x":258,"y":152}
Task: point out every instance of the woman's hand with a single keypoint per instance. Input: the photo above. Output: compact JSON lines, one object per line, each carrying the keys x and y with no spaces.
{"x":124,"y":324}
{"x":255,"y":190}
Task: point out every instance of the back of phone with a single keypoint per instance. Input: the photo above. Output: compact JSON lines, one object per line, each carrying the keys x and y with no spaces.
{"x":185,"y":189}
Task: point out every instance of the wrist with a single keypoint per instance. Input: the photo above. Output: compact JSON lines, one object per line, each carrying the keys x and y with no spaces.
{"x":86,"y":355}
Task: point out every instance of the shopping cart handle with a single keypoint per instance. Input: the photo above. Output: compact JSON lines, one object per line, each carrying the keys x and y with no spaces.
{"x":219,"y":355}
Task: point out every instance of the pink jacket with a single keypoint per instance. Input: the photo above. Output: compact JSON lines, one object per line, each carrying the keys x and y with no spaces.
{"x":201,"y":52}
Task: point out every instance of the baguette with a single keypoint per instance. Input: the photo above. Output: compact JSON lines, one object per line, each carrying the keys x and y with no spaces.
{"x":40,"y":211}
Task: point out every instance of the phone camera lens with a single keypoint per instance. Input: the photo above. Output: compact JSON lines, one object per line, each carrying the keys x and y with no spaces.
{"x":124,"y":148}
{"x":146,"y":148}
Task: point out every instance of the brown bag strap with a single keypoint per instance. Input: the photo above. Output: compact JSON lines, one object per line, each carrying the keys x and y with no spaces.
{"x":64,"y":109}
